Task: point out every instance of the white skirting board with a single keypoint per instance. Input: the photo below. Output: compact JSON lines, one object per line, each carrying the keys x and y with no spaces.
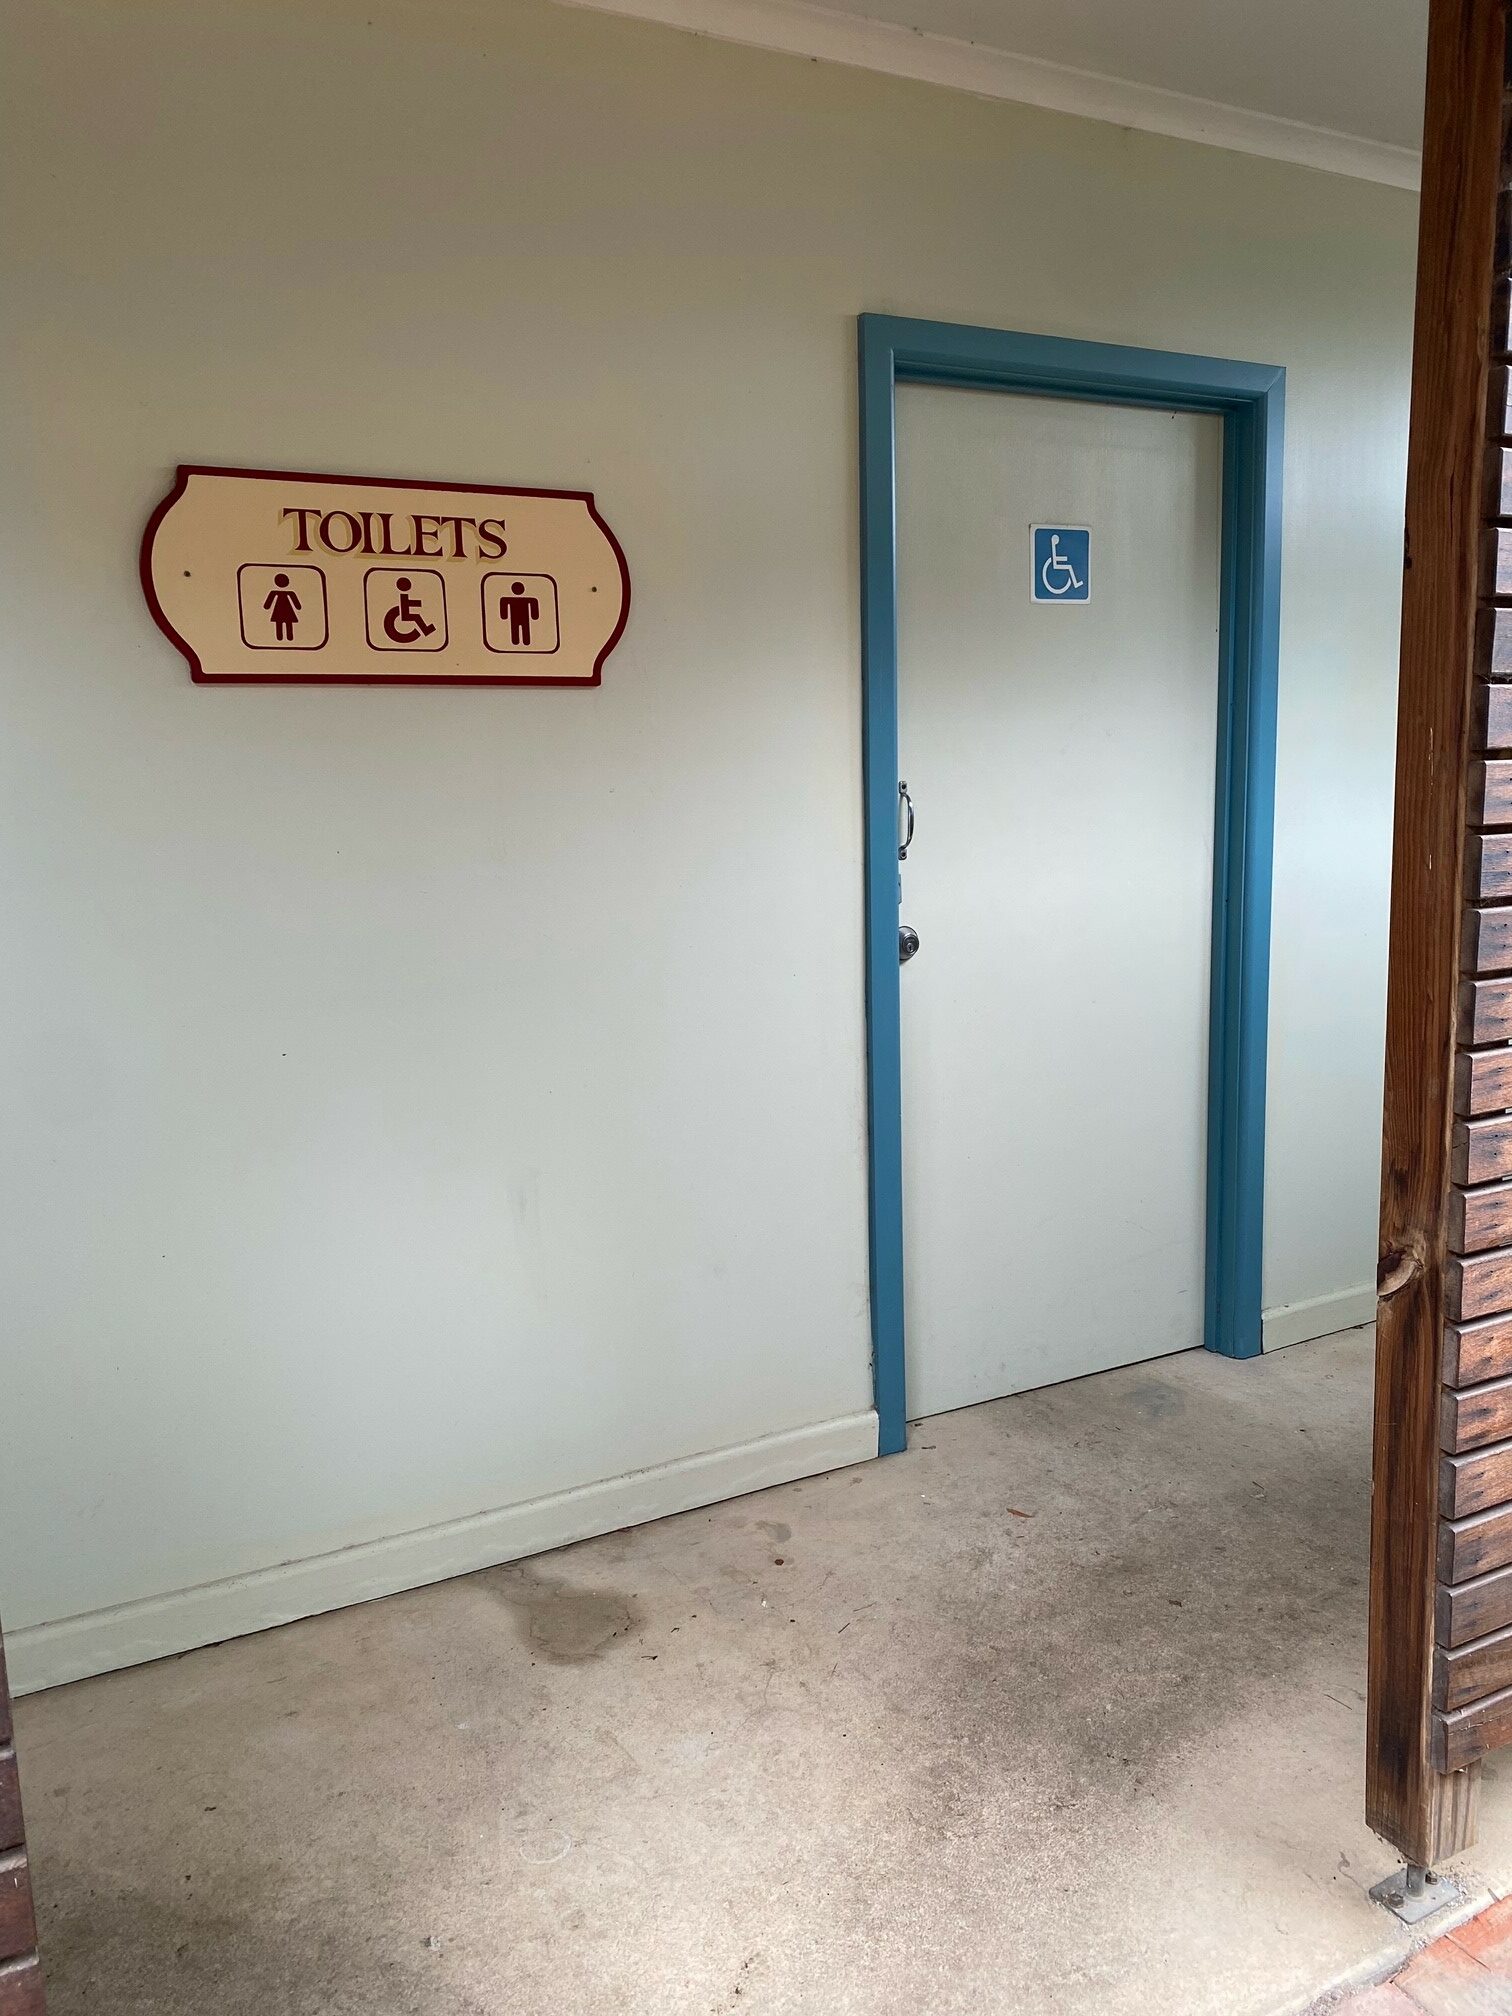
{"x":46,"y":1655}
{"x":1297,"y":1322}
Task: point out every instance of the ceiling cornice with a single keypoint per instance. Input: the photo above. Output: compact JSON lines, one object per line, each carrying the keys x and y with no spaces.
{"x":802,"y":28}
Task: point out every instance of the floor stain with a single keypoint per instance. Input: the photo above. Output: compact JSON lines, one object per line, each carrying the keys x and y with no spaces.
{"x":1156,"y":1400}
{"x":135,"y":1948}
{"x":564,"y":1624}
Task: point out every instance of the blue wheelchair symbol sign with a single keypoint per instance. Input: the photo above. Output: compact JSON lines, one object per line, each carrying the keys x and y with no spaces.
{"x":1062,"y":563}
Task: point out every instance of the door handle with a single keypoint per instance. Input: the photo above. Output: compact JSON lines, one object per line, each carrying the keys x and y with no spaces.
{"x":908,"y":943}
{"x":905,"y":820}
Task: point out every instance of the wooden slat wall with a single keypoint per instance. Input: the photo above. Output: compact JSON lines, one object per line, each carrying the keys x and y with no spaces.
{"x":1472,"y":1610}
{"x":1480,"y":1285}
{"x":21,"y":1991}
{"x":1441,"y":1518}
{"x":1472,"y":1676}
{"x":1485,"y":1011}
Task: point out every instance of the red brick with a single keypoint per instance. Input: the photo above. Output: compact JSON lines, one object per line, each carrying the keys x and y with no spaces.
{"x":1387,"y":2000}
{"x":1489,"y":1937}
{"x":21,"y":1988}
{"x":1445,"y":1980}
{"x":18,"y":1928}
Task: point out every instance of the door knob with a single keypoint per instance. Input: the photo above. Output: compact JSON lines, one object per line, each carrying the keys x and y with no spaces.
{"x":908,"y":943}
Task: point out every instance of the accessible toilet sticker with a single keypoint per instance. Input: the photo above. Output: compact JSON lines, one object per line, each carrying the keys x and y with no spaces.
{"x":1061,"y":563}
{"x":266,"y":576}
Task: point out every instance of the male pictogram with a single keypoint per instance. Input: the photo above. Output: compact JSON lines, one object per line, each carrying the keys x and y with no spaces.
{"x":403,"y":623}
{"x":283,"y":605}
{"x":520,"y":613}
{"x":521,"y":610}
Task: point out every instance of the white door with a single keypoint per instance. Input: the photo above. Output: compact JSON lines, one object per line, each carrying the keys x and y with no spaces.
{"x":1061,"y":761}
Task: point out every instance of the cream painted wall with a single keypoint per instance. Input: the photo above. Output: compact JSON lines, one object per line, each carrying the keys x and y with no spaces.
{"x":422,"y":1103}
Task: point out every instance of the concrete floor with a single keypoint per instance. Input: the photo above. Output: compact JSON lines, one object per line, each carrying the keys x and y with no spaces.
{"x":1059,"y":1714}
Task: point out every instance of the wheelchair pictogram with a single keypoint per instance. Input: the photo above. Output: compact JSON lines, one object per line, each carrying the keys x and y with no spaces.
{"x":406,"y":608}
{"x":1058,"y":576}
{"x":1062,"y":557}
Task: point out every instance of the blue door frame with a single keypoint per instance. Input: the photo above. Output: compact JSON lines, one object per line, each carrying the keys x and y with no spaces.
{"x":1250,"y":398}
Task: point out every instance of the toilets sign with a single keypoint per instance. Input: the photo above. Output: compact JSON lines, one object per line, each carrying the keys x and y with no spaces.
{"x":265,"y":576}
{"x":1062,"y":563}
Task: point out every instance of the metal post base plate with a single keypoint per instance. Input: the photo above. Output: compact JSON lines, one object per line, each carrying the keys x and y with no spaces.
{"x":1415,"y":1894}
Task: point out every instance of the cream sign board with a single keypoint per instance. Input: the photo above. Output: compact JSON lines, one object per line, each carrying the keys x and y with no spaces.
{"x":266,"y":575}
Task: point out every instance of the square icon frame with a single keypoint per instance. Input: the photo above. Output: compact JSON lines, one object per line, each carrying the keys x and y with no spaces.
{"x":1077,"y":599}
{"x":521,"y":650}
{"x":283,"y":567}
{"x":396,"y":574}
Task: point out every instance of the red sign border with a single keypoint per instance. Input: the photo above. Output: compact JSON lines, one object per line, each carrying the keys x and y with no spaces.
{"x":201,"y":677}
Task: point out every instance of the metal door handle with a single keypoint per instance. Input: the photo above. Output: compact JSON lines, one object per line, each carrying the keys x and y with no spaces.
{"x":908,"y":943}
{"x":906,"y":820}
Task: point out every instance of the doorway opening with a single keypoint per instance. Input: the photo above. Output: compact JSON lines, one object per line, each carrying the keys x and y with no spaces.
{"x":1248,"y":399}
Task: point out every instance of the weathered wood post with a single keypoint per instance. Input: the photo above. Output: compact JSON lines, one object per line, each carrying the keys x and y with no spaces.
{"x":1440,"y":1691}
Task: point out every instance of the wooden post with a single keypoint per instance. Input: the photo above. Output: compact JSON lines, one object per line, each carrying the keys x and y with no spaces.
{"x":1425,"y":1809}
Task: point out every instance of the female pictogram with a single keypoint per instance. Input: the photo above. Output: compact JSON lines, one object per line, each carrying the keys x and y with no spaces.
{"x":283,"y":605}
{"x":282,"y":608}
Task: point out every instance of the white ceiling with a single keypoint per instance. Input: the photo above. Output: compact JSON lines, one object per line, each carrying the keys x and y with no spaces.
{"x":1336,"y":84}
{"x":1349,"y":66}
